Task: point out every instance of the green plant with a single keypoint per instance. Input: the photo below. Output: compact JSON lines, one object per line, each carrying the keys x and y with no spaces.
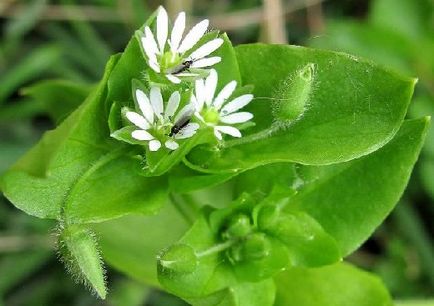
{"x":316,"y":154}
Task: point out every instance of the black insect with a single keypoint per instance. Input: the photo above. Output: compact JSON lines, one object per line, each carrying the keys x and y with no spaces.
{"x":184,"y":66}
{"x":182,"y":121}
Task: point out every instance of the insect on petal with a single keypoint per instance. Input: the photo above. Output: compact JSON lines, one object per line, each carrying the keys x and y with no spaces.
{"x":171,"y":144}
{"x":172,"y":105}
{"x":207,"y":48}
{"x":137,"y":120}
{"x":186,"y":111}
{"x":193,"y":36}
{"x":162,"y":28}
{"x":236,"y":104}
{"x":157,"y":101}
{"x":230,"y":130}
{"x":177,"y":31}
{"x":141,"y":135}
{"x":236,"y":118}
{"x":187,"y":131}
{"x":154,"y":145}
{"x":206,"y":62}
{"x":145,"y":105}
{"x":225,"y":93}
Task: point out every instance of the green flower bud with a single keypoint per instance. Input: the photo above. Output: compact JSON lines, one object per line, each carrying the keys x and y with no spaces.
{"x":295,"y":94}
{"x":239,"y":226}
{"x":179,"y":258}
{"x":78,"y":250}
{"x":257,"y":246}
{"x":268,"y":217}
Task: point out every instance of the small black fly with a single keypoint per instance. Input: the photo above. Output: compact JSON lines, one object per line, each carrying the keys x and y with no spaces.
{"x":184,"y":66}
{"x":182,"y":121}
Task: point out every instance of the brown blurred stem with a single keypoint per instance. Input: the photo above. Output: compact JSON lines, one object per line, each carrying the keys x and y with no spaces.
{"x":274,"y":22}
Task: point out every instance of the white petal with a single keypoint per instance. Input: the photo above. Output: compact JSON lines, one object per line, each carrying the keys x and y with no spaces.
{"x":210,"y":86}
{"x":236,"y":118}
{"x":200,"y":93}
{"x":186,"y":111}
{"x":172,"y":105}
{"x":193,"y":36}
{"x":171,"y":144}
{"x":137,"y":120}
{"x":199,"y":116}
{"x":141,"y":135}
{"x":217,"y":134}
{"x":187,"y":131}
{"x":177,"y":31}
{"x":162,"y":28}
{"x":157,"y":101}
{"x":154,"y":145}
{"x":225,"y":93}
{"x":150,"y":41}
{"x":230,"y":130}
{"x":207,"y":48}
{"x":187,"y":74}
{"x":173,"y":79}
{"x":206,"y":62}
{"x":145,"y":105}
{"x":236,"y":104}
{"x":148,"y":48}
{"x":154,"y":65}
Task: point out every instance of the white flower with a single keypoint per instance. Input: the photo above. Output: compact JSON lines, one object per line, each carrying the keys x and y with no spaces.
{"x":156,"y":124}
{"x":172,"y":60}
{"x":216,"y":110}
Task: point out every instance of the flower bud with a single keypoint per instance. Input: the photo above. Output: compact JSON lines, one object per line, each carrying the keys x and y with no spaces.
{"x":179,"y":258}
{"x":294,"y":96}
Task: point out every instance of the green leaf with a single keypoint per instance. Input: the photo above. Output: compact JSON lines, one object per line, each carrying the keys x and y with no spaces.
{"x":351,"y":199}
{"x":354,"y":109}
{"x":336,"y":285}
{"x":132,"y":243}
{"x":79,"y":173}
{"x":58,"y":97}
{"x":245,"y":294}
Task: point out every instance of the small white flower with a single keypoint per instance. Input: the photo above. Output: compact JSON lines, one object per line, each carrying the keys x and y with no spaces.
{"x":172,"y":60}
{"x":156,"y":124}
{"x":215,"y":110}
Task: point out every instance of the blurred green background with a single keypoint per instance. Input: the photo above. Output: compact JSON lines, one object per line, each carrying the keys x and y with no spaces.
{"x":66,"y":44}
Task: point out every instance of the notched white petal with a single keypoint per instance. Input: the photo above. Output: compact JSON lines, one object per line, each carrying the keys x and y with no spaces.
{"x":172,"y":105}
{"x":154,"y":145}
{"x":236,"y":118}
{"x":173,"y":79}
{"x":162,"y":28}
{"x":150,"y":40}
{"x":177,"y":31}
{"x":230,"y":130}
{"x":137,"y":120}
{"x":206,"y":62}
{"x":193,"y":36}
{"x":171,"y":145}
{"x":224,"y":94}
{"x":157,"y":101}
{"x":207,"y":48}
{"x":236,"y":104}
{"x":210,"y":86}
{"x":145,"y":105}
{"x":141,"y":135}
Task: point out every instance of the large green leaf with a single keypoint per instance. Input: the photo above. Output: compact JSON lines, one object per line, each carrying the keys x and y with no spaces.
{"x":351,"y":199}
{"x":77,"y":172}
{"x":336,"y":285}
{"x":355,"y":107}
